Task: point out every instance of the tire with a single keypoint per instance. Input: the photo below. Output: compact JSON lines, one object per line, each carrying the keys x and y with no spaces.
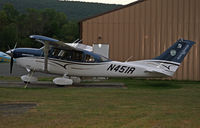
{"x":26,"y":82}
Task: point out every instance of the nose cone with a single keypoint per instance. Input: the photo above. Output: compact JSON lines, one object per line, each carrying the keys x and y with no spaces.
{"x":10,"y":52}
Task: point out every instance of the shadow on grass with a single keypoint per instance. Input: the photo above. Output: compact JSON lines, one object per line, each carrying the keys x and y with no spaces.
{"x":149,"y":84}
{"x":161,"y":85}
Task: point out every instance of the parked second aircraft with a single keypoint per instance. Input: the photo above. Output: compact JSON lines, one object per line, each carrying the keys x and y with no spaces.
{"x":4,"y":57}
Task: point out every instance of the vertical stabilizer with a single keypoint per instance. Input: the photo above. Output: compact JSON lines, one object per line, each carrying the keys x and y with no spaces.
{"x":177,"y":51}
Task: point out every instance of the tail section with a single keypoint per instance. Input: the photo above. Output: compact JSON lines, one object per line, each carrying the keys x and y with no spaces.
{"x":177,"y":51}
{"x":168,"y":62}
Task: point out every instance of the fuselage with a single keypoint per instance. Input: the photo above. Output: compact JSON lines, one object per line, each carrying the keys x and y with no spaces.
{"x":73,"y":63}
{"x":104,"y":69}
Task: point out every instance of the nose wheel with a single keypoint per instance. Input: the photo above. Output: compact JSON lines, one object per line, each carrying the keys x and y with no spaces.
{"x":27,"y":82}
{"x":29,"y":78}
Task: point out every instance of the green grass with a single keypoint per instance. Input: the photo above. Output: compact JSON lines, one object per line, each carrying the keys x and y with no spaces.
{"x":9,"y":78}
{"x":144,"y":104}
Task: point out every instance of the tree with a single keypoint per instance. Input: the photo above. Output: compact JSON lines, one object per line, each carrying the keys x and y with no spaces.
{"x":11,"y":12}
{"x":69,"y":32}
{"x":16,"y":27}
{"x":8,"y":36}
{"x":3,"y":19}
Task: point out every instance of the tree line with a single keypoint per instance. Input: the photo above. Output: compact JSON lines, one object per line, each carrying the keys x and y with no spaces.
{"x":73,"y":9}
{"x":16,"y":27}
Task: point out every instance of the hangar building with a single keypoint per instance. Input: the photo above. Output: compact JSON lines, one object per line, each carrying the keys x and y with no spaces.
{"x":146,"y":28}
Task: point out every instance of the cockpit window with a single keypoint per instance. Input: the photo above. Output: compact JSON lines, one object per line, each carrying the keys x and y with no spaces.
{"x":55,"y":52}
{"x":78,"y":56}
{"x":89,"y":59}
{"x":69,"y":55}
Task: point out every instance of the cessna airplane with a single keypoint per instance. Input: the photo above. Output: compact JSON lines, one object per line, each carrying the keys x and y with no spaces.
{"x":74,"y":60}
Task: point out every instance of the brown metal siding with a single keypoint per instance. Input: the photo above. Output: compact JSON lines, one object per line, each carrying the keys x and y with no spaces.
{"x":145,"y":29}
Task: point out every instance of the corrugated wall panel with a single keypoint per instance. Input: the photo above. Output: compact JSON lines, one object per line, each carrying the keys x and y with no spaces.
{"x":190,"y":36}
{"x":116,"y":36}
{"x":186,"y":36}
{"x":132,"y":33}
{"x":126,"y":33}
{"x":144,"y":30}
{"x":121,"y":36}
{"x":111,"y":35}
{"x":137,"y":33}
{"x":179,"y":24}
{"x":153,"y":27}
{"x":89,"y":27}
{"x":105,"y":29}
{"x":147,"y":37}
{"x":95,"y":31}
{"x":84,"y":32}
{"x":197,"y":38}
{"x":158,"y":27}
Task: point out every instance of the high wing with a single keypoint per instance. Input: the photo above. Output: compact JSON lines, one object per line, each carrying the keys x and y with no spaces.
{"x":53,"y":42}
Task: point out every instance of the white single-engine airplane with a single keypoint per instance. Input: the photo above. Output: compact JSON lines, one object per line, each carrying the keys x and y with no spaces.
{"x":72,"y":62}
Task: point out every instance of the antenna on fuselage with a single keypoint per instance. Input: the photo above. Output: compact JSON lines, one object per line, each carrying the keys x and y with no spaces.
{"x":77,"y":40}
{"x":129,"y":58}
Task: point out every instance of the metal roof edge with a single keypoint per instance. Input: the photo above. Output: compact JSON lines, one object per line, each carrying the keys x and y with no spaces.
{"x":125,"y":6}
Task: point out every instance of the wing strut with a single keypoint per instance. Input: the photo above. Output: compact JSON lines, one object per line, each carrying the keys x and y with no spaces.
{"x":46,"y":53}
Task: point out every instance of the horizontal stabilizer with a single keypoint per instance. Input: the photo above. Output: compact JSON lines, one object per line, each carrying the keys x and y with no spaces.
{"x":157,"y":72}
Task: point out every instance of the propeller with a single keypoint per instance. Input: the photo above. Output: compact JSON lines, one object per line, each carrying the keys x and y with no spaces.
{"x":10,"y":52}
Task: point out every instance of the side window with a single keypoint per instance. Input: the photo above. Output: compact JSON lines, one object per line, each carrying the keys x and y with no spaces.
{"x":70,"y":55}
{"x":66,"y":55}
{"x":89,"y":58}
{"x":77,"y":56}
{"x":55,"y":52}
{"x":61,"y":54}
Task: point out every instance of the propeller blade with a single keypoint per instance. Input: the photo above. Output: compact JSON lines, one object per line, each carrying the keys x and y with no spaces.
{"x":9,"y":47}
{"x":11,"y":64}
{"x":15,"y":45}
{"x":11,"y":53}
